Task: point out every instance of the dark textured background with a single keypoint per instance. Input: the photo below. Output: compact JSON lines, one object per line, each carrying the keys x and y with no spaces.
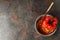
{"x":17,"y":19}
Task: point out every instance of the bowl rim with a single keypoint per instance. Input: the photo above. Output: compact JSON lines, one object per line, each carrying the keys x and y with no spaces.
{"x":41,"y":33}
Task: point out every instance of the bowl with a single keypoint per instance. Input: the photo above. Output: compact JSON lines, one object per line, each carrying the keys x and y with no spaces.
{"x":44,"y":35}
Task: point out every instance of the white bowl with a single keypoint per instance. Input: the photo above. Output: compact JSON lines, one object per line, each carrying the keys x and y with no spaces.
{"x":41,"y":33}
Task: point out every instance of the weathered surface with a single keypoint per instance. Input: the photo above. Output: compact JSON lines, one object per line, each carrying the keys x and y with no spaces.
{"x":17,"y":19}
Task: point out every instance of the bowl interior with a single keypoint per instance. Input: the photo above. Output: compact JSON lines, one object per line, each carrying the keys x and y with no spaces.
{"x":38,"y":31}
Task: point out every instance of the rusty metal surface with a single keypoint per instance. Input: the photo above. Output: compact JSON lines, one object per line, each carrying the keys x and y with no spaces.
{"x":17,"y":19}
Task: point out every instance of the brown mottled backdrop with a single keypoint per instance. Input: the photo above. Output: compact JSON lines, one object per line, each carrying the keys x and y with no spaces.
{"x":17,"y":19}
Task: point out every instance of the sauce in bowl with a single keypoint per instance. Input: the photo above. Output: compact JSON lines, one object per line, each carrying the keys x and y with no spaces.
{"x":48,"y":25}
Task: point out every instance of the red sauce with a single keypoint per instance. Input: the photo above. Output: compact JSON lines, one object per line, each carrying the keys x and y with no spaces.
{"x":47,"y":25}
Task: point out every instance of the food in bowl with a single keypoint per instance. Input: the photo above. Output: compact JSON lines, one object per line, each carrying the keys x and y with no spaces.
{"x":48,"y":24}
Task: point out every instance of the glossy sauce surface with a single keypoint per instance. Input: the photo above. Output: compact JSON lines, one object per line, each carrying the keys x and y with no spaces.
{"x":47,"y":25}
